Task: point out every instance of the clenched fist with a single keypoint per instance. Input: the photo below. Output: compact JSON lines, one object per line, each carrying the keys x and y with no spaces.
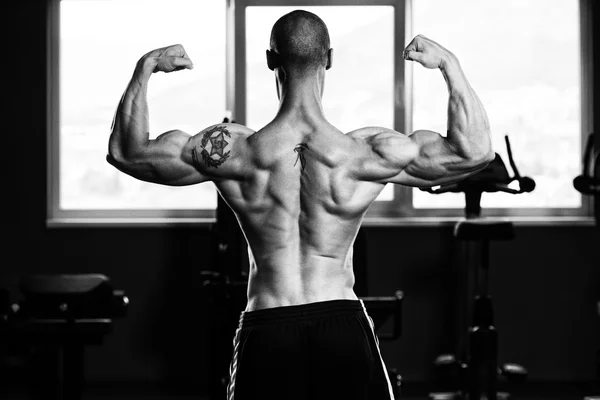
{"x":168,"y":59}
{"x":427,"y":52}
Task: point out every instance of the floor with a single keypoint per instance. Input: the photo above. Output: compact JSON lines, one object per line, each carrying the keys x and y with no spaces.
{"x":526,"y":391}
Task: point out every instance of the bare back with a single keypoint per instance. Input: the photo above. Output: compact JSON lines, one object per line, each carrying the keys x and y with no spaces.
{"x":300,"y":187}
{"x":300,"y":210}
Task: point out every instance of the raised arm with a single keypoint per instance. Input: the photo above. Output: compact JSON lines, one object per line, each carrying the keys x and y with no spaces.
{"x":174,"y":158}
{"x":426,"y":158}
{"x":162,"y":160}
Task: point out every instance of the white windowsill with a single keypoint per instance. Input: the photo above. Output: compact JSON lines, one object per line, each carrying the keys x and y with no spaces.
{"x":368,"y":222}
{"x":450,"y":221}
{"x":159,"y":222}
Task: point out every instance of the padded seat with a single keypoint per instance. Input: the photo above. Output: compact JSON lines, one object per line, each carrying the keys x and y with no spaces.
{"x":44,"y":284}
{"x":484,"y":229}
{"x":59,"y":316}
{"x":71,"y":296}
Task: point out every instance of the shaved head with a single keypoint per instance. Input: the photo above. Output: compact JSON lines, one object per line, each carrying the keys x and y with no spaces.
{"x":301,"y":39}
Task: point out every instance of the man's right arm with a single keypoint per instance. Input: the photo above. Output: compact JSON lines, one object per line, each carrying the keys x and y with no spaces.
{"x":426,"y":158}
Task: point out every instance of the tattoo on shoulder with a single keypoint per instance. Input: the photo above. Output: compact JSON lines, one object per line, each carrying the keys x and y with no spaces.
{"x":299,"y":149}
{"x":212,"y":146}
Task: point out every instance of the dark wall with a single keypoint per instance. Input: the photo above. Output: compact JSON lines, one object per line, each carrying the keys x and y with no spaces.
{"x":545,"y":283}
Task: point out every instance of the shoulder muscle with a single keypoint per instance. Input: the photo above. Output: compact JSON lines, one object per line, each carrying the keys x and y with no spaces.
{"x":382,"y":152}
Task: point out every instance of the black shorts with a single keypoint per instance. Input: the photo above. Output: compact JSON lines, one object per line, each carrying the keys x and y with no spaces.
{"x":317,"y":351}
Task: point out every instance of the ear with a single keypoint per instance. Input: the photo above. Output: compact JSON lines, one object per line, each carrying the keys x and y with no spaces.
{"x":329,"y":59}
{"x":273,"y":60}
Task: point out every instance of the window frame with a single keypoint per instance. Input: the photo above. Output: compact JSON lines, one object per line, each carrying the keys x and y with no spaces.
{"x":399,"y":211}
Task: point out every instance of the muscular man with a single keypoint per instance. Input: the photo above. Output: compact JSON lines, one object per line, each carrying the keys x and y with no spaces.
{"x":300,"y":188}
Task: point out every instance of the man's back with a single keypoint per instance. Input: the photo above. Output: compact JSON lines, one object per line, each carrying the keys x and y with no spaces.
{"x":300,"y":208}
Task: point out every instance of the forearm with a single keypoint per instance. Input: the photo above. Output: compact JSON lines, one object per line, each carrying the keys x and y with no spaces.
{"x":130,"y":129}
{"x":468,"y":126}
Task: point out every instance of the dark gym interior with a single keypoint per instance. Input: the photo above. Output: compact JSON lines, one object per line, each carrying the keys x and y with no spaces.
{"x":545,"y":282}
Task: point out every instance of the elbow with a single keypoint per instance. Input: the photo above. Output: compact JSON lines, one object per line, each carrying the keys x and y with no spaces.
{"x":488,"y":151}
{"x":112,"y":160}
{"x":116,"y":161}
{"x":115,"y":156}
{"x":491,"y":155}
{"x":481,"y":159}
{"x":120,"y":163}
{"x":120,"y":152}
{"x":486,"y":157}
{"x":482,"y":153}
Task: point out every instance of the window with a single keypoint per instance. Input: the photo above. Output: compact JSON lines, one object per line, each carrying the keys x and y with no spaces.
{"x":529,"y":79}
{"x":523,"y":59}
{"x":100,"y":42}
{"x":358,"y":92}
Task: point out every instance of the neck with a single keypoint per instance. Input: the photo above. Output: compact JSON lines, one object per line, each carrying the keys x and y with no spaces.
{"x":301,"y":97}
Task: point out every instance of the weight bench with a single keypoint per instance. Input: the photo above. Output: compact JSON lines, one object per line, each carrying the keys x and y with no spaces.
{"x":58,"y":317}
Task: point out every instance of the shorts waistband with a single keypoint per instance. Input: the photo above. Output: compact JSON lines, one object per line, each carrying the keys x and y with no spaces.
{"x":300,"y":312}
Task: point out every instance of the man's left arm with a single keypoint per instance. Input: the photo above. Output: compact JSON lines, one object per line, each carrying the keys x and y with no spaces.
{"x":166,"y":159}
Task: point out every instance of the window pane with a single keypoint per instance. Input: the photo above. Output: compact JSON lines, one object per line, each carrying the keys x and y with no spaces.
{"x":100,"y":42}
{"x":523,"y":60}
{"x":359,"y":86}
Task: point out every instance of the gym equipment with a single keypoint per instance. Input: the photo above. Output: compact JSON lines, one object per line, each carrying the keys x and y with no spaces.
{"x":588,"y":182}
{"x":4,"y":306}
{"x":227,"y":299}
{"x":58,"y":316}
{"x":224,"y":287}
{"x":385,"y":311}
{"x":473,"y":372}
{"x":7,"y":351}
{"x":596,"y":388}
{"x":381,"y":310}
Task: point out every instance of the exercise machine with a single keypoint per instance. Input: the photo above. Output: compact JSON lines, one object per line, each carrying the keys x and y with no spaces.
{"x":596,"y":395}
{"x":50,"y":327}
{"x":383,"y":309}
{"x":588,"y":183}
{"x":473,"y":372}
{"x":386,"y":311}
{"x":224,"y":288}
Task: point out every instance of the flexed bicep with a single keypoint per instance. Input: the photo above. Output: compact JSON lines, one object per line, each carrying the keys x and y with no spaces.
{"x":436,"y":162}
{"x":130,"y":149}
{"x":165,"y":160}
